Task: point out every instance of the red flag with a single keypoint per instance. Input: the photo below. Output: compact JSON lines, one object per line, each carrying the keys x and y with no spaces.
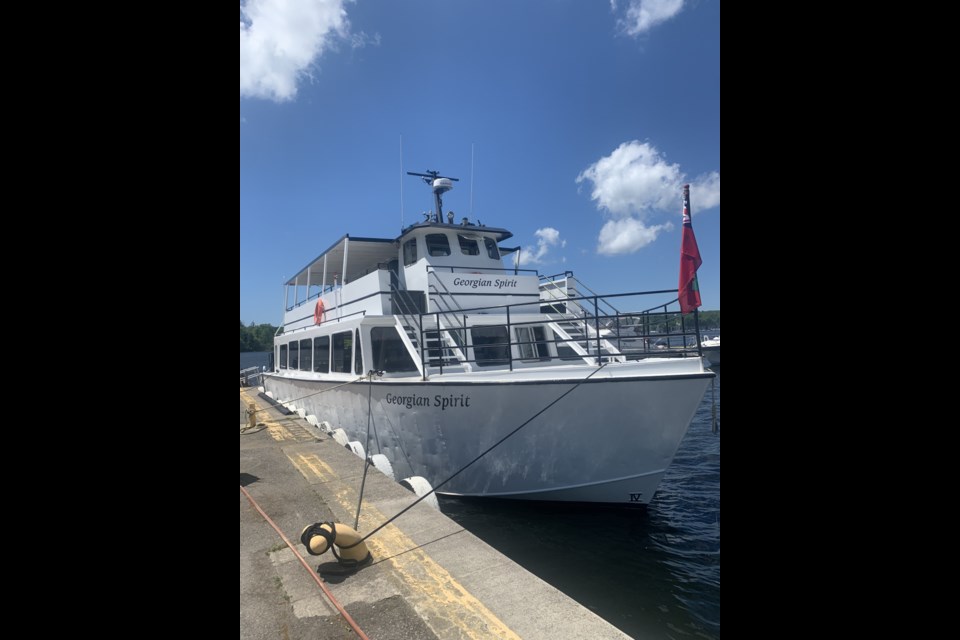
{"x":688,"y":290}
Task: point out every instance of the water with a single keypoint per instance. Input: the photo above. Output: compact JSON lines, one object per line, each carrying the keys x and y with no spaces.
{"x":653,"y":574}
{"x":253,"y":359}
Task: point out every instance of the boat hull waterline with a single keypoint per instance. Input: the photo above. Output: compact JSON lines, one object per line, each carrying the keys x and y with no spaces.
{"x":608,"y":441}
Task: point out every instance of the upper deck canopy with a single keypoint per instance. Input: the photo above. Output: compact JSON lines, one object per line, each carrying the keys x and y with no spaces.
{"x":364,"y":254}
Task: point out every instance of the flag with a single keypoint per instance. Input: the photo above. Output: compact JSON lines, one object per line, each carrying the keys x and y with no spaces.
{"x":688,"y":290}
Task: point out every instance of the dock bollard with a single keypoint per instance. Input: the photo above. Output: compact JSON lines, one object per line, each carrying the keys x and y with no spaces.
{"x":320,"y":536}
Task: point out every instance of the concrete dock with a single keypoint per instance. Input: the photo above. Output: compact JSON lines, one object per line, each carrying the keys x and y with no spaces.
{"x":429,"y":577}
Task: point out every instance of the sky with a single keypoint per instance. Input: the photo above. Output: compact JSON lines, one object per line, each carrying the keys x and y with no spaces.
{"x":574,"y":124}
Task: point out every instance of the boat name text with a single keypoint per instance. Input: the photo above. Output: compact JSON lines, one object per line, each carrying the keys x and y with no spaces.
{"x":473,"y":283}
{"x":445,"y":402}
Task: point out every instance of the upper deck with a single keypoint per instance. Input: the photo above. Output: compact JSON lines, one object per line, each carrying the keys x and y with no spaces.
{"x":435,"y":266}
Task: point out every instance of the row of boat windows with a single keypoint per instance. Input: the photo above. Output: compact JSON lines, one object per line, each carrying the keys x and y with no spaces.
{"x":315,"y":354}
{"x":491,"y":347}
{"x":438,"y":244}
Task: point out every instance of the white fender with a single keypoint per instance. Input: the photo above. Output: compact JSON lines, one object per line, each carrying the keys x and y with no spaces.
{"x":341,"y":437}
{"x":326,"y":426}
{"x":357,"y":449}
{"x":260,"y":389}
{"x":302,"y":413}
{"x":420,"y":486}
{"x":269,"y":394}
{"x":312,"y":419}
{"x":383,"y":465}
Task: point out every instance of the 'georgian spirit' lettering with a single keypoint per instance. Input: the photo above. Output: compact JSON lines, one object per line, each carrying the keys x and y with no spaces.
{"x":444,"y":402}
{"x":473,"y":283}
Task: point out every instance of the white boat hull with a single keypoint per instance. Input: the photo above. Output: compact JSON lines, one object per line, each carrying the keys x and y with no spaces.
{"x":608,"y":441}
{"x":712,"y":354}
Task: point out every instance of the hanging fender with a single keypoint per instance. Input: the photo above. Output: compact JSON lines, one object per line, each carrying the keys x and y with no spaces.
{"x":318,"y":312}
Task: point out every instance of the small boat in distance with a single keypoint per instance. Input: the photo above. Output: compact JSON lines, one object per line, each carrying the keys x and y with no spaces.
{"x":711,"y":350}
{"x":439,"y":352}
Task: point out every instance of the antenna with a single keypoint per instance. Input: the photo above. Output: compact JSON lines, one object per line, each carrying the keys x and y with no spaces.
{"x":471,"y":179}
{"x":440,"y":184}
{"x":401,"y":183}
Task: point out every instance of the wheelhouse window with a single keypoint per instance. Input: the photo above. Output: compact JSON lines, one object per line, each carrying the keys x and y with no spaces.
{"x":409,"y":252}
{"x":283,"y":356}
{"x":342,"y":352}
{"x":306,"y":350}
{"x":358,"y":356}
{"x":468,"y":245}
{"x":321,"y":354}
{"x":388,"y":351}
{"x":438,"y":245}
{"x":294,"y":355}
{"x":492,"y":250}
{"x":490,"y":346}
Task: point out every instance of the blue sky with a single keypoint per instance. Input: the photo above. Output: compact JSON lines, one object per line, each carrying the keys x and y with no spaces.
{"x":586,"y":118}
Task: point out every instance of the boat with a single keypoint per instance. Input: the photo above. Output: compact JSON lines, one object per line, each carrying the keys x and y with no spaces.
{"x":711,"y":350}
{"x":425,"y":354}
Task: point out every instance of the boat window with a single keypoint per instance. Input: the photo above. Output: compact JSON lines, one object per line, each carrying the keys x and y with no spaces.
{"x":283,"y":356}
{"x":321,"y":354}
{"x":492,"y":250}
{"x":358,"y":356}
{"x":468,"y":246}
{"x":409,"y":252}
{"x":532,"y":343}
{"x":388,"y":351}
{"x":438,"y":245}
{"x":294,"y":353}
{"x":306,"y":351}
{"x":342,"y":352}
{"x":490,"y":346}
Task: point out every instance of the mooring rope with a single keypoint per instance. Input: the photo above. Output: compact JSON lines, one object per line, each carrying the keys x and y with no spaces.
{"x":366,"y":444}
{"x":466,"y":466}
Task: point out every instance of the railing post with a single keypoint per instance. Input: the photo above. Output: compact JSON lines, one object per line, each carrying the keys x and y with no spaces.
{"x":683,"y":330}
{"x":596,"y":325}
{"x":509,"y":341}
{"x":423,"y":345}
{"x":696,"y":327}
{"x":440,"y":343}
{"x":619,"y":347}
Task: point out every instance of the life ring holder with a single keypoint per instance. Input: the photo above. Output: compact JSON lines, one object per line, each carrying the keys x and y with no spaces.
{"x":318,"y":312}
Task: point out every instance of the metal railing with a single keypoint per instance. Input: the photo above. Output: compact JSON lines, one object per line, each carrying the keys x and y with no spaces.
{"x":248,"y":374}
{"x":663,"y":332}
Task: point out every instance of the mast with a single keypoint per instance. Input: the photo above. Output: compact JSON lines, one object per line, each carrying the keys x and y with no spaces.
{"x":439,"y":184}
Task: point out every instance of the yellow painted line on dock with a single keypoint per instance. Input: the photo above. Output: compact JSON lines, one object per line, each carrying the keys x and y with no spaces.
{"x":443,"y":598}
{"x":277,"y":431}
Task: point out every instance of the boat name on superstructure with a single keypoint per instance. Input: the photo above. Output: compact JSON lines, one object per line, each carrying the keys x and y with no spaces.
{"x":473,"y":283}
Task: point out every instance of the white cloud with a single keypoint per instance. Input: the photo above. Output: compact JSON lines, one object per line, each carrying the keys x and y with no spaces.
{"x":546,"y":237}
{"x":705,"y":192}
{"x":362,"y":39}
{"x":627,"y":235}
{"x":635,"y":177}
{"x":643,"y":15}
{"x":280,"y":39}
{"x":636,"y":184}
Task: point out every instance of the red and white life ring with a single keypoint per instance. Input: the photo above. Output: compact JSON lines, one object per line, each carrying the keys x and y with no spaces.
{"x":318,"y":312}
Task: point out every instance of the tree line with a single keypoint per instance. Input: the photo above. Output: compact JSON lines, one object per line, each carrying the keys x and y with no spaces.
{"x":256,"y":337}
